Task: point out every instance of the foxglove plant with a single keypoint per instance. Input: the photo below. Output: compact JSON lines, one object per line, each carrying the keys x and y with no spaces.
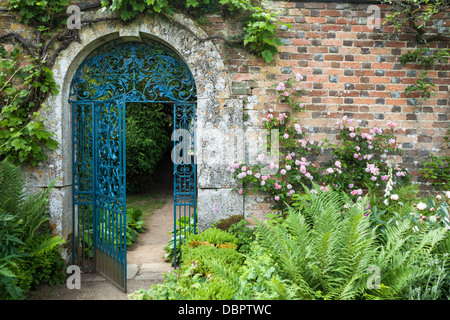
{"x":389,"y":187}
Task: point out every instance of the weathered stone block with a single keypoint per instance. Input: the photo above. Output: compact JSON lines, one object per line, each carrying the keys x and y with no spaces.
{"x":216,"y":204}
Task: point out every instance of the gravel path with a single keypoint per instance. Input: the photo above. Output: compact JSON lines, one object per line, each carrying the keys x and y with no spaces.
{"x":145,"y":263}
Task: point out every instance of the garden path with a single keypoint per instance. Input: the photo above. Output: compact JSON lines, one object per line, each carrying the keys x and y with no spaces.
{"x":145,"y":262}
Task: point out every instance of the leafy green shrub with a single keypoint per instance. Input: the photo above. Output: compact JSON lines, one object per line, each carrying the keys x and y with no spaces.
{"x":148,"y":138}
{"x":186,"y":285}
{"x":325,"y":248}
{"x":211,"y":244}
{"x":256,"y":273}
{"x":201,"y":258}
{"x":210,"y":289}
{"x":214,"y":236}
{"x":244,"y":234}
{"x":194,"y":280}
{"x":404,"y":262}
{"x":135,"y":224}
{"x":185,"y":227}
{"x":322,"y":251}
{"x":9,"y":253}
{"x":44,"y":267}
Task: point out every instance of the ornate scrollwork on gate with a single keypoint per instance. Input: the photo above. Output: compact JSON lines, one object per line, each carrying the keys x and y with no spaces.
{"x":140,"y":71}
{"x":184,"y":168}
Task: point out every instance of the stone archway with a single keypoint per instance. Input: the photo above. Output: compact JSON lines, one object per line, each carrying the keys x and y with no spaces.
{"x":216,"y":110}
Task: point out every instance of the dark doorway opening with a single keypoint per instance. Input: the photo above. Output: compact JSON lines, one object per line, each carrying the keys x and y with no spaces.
{"x":148,"y":141}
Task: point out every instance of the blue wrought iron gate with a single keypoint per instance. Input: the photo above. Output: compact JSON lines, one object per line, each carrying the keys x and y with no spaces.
{"x":184,"y":179}
{"x":114,"y":74}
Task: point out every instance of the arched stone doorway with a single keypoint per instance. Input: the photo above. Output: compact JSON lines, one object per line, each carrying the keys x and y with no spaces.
{"x":216,"y":110}
{"x":114,"y":75}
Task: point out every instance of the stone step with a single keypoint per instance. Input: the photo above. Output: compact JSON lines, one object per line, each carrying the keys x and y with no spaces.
{"x":146,"y":271}
{"x":154,"y":270}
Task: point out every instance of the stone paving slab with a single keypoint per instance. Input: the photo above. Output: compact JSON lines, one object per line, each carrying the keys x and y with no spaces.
{"x":132,"y":270}
{"x":155,"y":267}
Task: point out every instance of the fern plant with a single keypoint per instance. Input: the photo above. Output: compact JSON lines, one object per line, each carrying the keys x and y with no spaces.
{"x":404,"y":261}
{"x":29,"y":209}
{"x":22,"y":216}
{"x":326,"y":248}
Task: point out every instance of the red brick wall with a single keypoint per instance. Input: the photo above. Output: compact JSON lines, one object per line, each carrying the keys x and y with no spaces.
{"x":351,"y":70}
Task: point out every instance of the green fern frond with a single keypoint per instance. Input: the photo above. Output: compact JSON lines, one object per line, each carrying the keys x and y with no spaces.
{"x":12,"y":187}
{"x":48,"y":245}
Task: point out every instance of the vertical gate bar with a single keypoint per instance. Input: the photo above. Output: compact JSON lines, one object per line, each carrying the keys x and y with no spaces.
{"x":82,"y":217}
{"x":174,"y":160}
{"x":123,"y":158}
{"x":94,"y":172}
{"x":194,"y":169}
{"x":73,"y":184}
{"x":124,"y":171}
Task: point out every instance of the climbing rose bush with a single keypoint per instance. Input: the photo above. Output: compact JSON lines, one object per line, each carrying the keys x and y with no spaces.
{"x":358,"y":164}
{"x":290,"y":92}
{"x":363,"y":158}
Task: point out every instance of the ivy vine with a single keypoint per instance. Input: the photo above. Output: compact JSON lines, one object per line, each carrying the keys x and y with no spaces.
{"x":26,"y":78}
{"x":259,"y":25}
{"x":419,"y":15}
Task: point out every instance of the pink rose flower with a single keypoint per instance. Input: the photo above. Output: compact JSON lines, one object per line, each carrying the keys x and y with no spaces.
{"x":391,"y":124}
{"x":281,"y":86}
